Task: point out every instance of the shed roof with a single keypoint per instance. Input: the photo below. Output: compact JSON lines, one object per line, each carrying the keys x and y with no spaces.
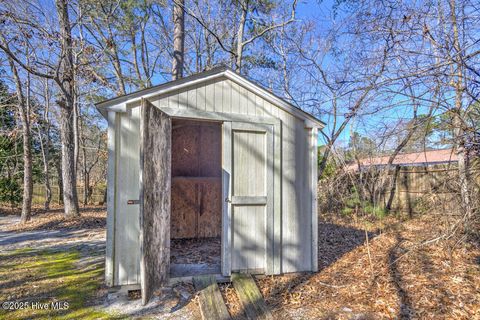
{"x":201,"y":77}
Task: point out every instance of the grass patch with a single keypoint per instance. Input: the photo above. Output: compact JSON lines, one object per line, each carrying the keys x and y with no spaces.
{"x":46,"y":277}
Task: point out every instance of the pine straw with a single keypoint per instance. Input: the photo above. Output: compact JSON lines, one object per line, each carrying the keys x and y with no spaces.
{"x":232,"y":301}
{"x":202,"y":250}
{"x":437,"y":280}
{"x":92,"y":217}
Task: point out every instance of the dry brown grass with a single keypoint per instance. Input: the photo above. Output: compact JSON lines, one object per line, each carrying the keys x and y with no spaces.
{"x":203,"y":250}
{"x":232,"y":301}
{"x":91,"y":217}
{"x":406,"y":279}
{"x":406,"y":276}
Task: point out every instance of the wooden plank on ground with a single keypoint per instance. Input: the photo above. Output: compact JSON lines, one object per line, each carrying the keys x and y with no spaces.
{"x":211,"y":302}
{"x":250,"y":297}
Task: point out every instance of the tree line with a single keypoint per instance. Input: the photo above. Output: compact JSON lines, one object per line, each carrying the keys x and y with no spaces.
{"x":388,"y":66}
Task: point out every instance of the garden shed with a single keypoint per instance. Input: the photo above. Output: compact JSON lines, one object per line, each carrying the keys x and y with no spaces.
{"x":211,"y":171}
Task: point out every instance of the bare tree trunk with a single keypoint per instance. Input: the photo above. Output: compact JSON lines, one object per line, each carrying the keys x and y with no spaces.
{"x":67,"y":114}
{"x":323,"y":162}
{"x":178,"y":39}
{"x":24,"y":110}
{"x":463,"y":167}
{"x":70,"y":198}
{"x":145,"y":59}
{"x":86,"y":182}
{"x":27,"y":156}
{"x":210,"y":55}
{"x":458,"y":131}
{"x":45,"y":147}
{"x":393,"y":188}
{"x":393,"y":182}
{"x":48,"y":188}
{"x":59,"y":181}
{"x":241,"y":30}
{"x":76,"y":133}
{"x":135,"y":57}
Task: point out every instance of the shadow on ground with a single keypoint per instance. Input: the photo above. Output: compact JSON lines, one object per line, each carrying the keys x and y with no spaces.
{"x":335,"y":240}
{"x":15,"y":240}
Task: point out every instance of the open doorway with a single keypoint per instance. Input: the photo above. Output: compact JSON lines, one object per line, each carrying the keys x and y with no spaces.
{"x":196,"y":207}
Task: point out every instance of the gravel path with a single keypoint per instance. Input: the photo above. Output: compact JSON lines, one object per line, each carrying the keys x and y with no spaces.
{"x":82,"y":239}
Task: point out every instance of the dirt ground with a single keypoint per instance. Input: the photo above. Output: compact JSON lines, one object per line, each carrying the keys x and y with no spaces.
{"x":92,"y":217}
{"x":52,"y":259}
{"x":405,"y":270}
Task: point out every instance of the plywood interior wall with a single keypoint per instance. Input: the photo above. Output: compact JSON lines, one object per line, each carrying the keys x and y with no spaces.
{"x":196,"y":179}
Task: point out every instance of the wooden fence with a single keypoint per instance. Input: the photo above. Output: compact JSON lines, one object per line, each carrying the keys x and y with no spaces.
{"x":412,"y":189}
{"x":417,"y":189}
{"x":39,"y":195}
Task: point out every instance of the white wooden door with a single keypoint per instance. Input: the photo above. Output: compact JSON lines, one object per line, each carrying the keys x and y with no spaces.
{"x":248,"y":150}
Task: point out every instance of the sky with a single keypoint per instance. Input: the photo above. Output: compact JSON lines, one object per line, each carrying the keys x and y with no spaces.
{"x":322,"y":12}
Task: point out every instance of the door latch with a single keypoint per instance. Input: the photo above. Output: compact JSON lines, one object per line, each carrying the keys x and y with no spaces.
{"x":133,"y":202}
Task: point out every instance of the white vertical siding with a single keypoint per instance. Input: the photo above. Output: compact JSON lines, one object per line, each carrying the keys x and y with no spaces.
{"x":218,"y":103}
{"x":210,"y":97}
{"x":182,"y":100}
{"x":127,"y":229}
{"x":296,"y":215}
{"x":111,"y":182}
{"x":227,"y":97}
{"x":220,"y":96}
{"x":201,"y":97}
{"x":173,"y":100}
{"x":295,"y":173}
{"x":235,"y":89}
{"x":192,"y":99}
{"x":258,"y":104}
{"x":243,"y":107}
{"x":313,"y":168}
